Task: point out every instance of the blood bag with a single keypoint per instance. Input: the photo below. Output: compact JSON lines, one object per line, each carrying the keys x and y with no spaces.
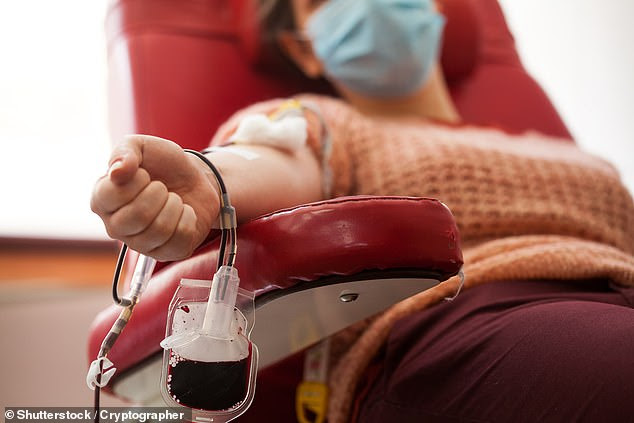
{"x":209,"y":361}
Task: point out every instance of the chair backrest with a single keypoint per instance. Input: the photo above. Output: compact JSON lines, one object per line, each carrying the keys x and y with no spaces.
{"x":179,"y":68}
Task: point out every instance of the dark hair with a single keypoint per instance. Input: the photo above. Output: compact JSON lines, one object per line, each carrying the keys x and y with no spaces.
{"x":275,"y":16}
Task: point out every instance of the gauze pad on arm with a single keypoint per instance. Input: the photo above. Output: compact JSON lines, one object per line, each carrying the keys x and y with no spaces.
{"x":288,"y":132}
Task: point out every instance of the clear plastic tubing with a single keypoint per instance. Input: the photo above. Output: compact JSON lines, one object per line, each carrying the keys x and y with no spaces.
{"x":142,"y":274}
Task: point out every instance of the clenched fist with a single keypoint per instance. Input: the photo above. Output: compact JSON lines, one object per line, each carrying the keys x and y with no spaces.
{"x":159,"y":200}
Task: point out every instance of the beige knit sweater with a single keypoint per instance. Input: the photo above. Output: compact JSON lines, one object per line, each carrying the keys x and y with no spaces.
{"x":527,"y":206}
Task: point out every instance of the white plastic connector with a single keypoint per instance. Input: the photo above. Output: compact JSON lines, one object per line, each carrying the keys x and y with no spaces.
{"x":222,"y":301}
{"x":228,"y":215}
{"x":221,"y":336}
{"x":93,"y":372}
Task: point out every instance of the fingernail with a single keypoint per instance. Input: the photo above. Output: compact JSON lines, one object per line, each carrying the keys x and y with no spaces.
{"x":117,"y":164}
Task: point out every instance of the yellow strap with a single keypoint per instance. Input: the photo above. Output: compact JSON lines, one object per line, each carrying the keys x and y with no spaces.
{"x":311,"y":400}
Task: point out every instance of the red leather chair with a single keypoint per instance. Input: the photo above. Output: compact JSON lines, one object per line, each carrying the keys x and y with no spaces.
{"x":178,"y":69}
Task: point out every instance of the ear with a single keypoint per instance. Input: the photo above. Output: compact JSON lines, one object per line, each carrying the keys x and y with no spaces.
{"x":301,"y":52}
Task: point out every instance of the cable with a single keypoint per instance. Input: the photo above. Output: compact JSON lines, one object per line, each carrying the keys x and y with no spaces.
{"x":97,"y":392}
{"x":234,"y":247}
{"x":221,"y":249}
{"x":221,"y":183}
{"x":226,"y":234}
{"x":117,"y":274}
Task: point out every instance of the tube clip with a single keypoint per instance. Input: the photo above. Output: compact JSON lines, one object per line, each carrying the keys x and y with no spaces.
{"x":94,"y":371}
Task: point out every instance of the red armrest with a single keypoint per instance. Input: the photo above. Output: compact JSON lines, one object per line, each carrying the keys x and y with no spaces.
{"x":295,"y":248}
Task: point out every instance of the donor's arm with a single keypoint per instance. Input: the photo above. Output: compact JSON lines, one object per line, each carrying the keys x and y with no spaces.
{"x":162,"y":202}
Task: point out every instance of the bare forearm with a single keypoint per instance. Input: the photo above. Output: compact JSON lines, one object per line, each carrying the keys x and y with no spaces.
{"x":270,"y":179}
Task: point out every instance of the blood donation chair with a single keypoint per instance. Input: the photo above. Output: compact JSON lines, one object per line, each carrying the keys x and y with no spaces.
{"x":178,"y":69}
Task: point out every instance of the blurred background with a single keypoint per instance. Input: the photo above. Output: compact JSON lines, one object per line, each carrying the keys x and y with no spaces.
{"x":55,"y":258}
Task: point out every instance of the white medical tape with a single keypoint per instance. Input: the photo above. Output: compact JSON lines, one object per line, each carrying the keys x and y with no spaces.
{"x":238,"y":151}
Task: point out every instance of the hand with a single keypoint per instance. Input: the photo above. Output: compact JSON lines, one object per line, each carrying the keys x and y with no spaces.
{"x":159,"y":200}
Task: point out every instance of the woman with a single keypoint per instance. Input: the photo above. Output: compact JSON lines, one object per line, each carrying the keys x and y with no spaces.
{"x":549,"y":224}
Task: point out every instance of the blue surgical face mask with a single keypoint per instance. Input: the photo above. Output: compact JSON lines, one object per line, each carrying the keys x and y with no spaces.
{"x":379,"y":48}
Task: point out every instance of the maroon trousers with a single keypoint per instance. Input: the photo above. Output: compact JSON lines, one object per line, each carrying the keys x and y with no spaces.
{"x":501,"y":352}
{"x":511,"y":352}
